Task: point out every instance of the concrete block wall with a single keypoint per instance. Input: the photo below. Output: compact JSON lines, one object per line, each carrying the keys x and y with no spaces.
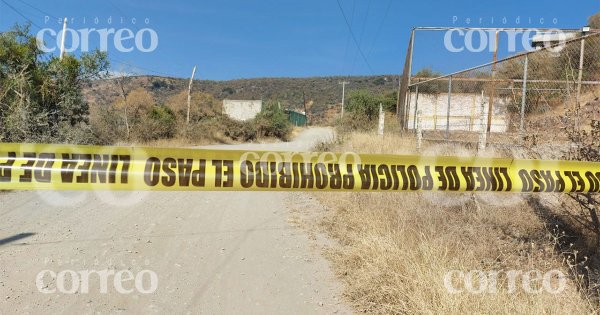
{"x":242,"y":109}
{"x":465,"y":111}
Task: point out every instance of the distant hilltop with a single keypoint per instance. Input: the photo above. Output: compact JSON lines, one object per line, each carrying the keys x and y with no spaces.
{"x":323,"y":94}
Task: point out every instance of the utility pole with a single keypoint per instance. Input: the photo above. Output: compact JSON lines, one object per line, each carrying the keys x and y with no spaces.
{"x":62,"y":42}
{"x":343,"y":83}
{"x":189,"y":100}
{"x":404,"y":85}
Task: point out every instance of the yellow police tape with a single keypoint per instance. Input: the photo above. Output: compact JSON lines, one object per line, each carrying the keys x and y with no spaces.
{"x":76,"y":167}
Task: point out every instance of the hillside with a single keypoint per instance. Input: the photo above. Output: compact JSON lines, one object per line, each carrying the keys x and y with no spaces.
{"x":322,"y":93}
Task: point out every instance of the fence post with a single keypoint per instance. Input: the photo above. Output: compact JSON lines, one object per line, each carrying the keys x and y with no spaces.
{"x":579,"y":77}
{"x":448,"y":112}
{"x":493,"y":87}
{"x":419,"y":130}
{"x":381,"y":120}
{"x":435,"y":108}
{"x":473,"y":115}
{"x":416,"y":107}
{"x":404,"y":85}
{"x":407,"y":109}
{"x":524,"y":97}
{"x":484,"y":127}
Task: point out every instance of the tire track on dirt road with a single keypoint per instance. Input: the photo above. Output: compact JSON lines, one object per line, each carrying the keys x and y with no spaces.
{"x":212,"y":252}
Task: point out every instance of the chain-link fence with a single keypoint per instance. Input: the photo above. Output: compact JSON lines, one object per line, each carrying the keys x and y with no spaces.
{"x":535,"y":96}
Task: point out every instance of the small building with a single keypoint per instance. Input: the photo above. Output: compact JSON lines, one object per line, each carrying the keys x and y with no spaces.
{"x":242,"y":109}
{"x":296,"y":118}
{"x":548,"y":39}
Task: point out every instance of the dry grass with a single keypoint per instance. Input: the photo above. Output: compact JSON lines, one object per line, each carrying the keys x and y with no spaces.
{"x":178,"y":142}
{"x":214,"y":138}
{"x":395,"y":248}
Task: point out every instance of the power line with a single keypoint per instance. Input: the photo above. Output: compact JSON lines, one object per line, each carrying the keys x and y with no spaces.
{"x":21,"y":14}
{"x":354,"y":37}
{"x":117,"y":8}
{"x":387,"y":10}
{"x":110,"y":59}
{"x":25,"y":17}
{"x":348,"y":38}
{"x":173,"y":61}
{"x":362,"y":32}
{"x":38,"y":9}
{"x":157,"y":72}
{"x":141,"y":68}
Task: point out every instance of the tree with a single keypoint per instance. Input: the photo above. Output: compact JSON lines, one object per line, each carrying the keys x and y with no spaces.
{"x":364,"y":103}
{"x":389,"y":101}
{"x":272,"y":122}
{"x":139,"y":103}
{"x":203,"y":106}
{"x":145,"y":119}
{"x":587,"y":149}
{"x":40,"y":95}
{"x":160,"y":124}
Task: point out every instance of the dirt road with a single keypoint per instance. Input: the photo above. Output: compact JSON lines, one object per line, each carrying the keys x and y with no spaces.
{"x":211,"y":252}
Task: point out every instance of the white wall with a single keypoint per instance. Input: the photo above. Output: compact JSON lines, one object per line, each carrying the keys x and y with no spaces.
{"x":241,"y":109}
{"x":465,"y":111}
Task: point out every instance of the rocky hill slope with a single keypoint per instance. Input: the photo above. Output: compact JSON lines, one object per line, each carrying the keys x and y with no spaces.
{"x":323,"y":94}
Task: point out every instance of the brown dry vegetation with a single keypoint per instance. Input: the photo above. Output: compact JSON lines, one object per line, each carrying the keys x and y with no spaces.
{"x":138,"y":117}
{"x":393,"y":249}
{"x":323,"y":94}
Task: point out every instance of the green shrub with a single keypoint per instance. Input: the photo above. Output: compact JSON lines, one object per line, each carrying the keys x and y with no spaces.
{"x":362,"y":110}
{"x":363,"y":103}
{"x":159,"y":123}
{"x":41,"y":95}
{"x":354,"y":121}
{"x":239,"y":130}
{"x":272,"y":122}
{"x":389,"y":101}
{"x":108,"y":125}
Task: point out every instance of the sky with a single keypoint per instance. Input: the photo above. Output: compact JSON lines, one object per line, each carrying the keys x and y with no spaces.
{"x":231,"y":39}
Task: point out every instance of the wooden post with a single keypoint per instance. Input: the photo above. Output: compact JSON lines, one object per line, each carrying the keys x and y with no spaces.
{"x":419,"y":130}
{"x":484,"y":129}
{"x":472,"y":116}
{"x":404,"y":84}
{"x":343,"y":83}
{"x":305,"y":110}
{"x":435,"y":114}
{"x":189,"y":99}
{"x":524,"y":98}
{"x":416,"y":107}
{"x":449,"y":104}
{"x":381,"y":120}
